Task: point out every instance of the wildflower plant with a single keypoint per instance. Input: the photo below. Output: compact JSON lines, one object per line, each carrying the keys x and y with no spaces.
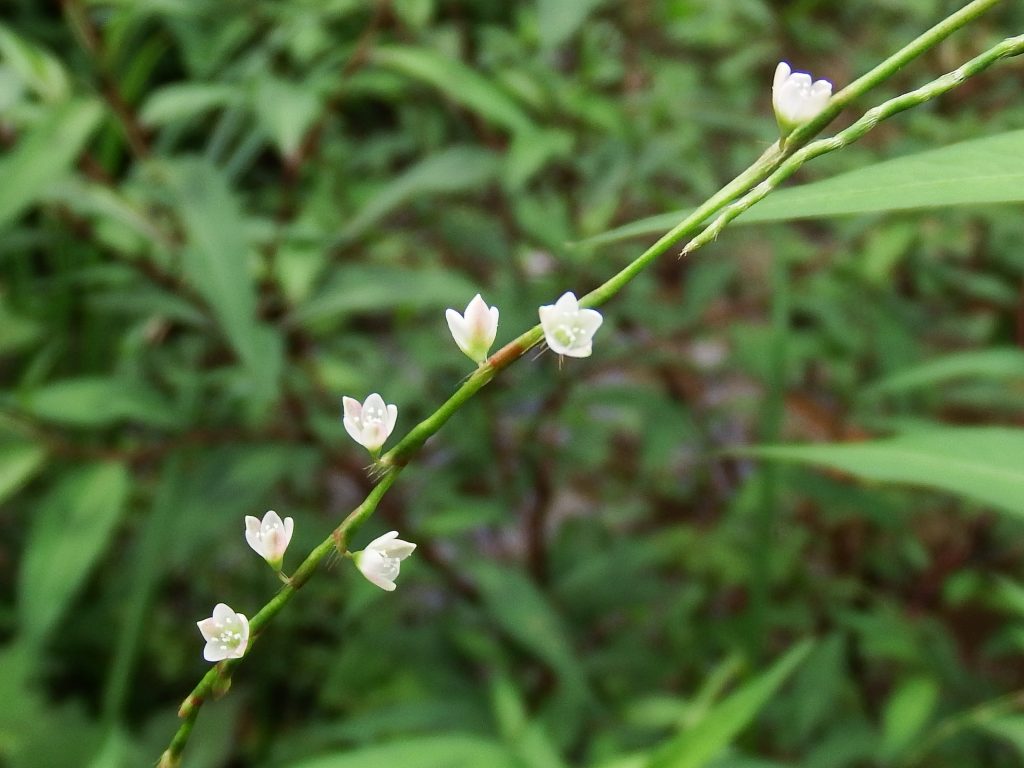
{"x":198,"y":268}
{"x":802,"y":107}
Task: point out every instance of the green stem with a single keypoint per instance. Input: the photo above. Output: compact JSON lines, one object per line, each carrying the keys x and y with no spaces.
{"x":1012,"y":46}
{"x":776,"y":154}
{"x":218,"y":677}
{"x":771,"y":428}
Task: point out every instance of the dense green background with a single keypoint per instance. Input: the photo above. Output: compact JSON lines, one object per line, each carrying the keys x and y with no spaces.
{"x":219,"y":217}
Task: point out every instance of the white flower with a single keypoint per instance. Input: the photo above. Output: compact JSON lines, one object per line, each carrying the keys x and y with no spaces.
{"x":369,"y":424}
{"x":382,"y":559}
{"x":474,"y":332}
{"x":226,"y":634}
{"x":270,"y":537}
{"x":567,"y":328}
{"x":796,"y":99}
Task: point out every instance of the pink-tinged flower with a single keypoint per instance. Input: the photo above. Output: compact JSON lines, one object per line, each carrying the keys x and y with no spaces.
{"x":474,"y":332}
{"x":369,"y":424}
{"x":382,"y":559}
{"x":226,"y":634}
{"x":269,"y":537}
{"x":796,"y":98}
{"x":568,"y":329}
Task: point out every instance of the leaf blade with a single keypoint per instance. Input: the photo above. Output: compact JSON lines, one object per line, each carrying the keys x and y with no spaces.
{"x":982,"y":171}
{"x":700,"y":744}
{"x":979,"y":463}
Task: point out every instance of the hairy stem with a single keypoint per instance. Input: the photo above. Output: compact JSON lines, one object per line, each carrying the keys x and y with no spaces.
{"x":763,"y":171}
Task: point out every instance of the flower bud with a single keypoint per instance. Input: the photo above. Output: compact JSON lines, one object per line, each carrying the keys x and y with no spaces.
{"x":796,"y":99}
{"x":269,"y":537}
{"x":474,"y":332}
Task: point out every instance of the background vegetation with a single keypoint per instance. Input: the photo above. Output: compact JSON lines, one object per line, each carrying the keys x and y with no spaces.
{"x":220,"y":217}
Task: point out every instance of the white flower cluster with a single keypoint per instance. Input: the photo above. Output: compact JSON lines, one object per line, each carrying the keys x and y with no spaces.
{"x":227,"y":633}
{"x":569,"y":330}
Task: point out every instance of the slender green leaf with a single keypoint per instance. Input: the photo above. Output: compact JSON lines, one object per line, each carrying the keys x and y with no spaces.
{"x":37,"y":67}
{"x":977,"y":172}
{"x":182,"y":101}
{"x":99,"y":402}
{"x":455,"y":169}
{"x":150,"y":561}
{"x":217,"y":264}
{"x":558,"y":20}
{"x":996,"y":363}
{"x":18,"y":462}
{"x":69,"y":531}
{"x":43,"y":155}
{"x":906,"y":714}
{"x":1009,"y":728}
{"x":286,"y":110}
{"x":457,"y":81}
{"x":526,"y":615}
{"x":698,"y":745}
{"x":366,"y":288}
{"x":979,"y":463}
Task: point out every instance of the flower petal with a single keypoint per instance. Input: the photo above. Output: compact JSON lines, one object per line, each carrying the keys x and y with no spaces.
{"x":567,"y":303}
{"x":781,"y":73}
{"x":223,"y":613}
{"x":271,"y":521}
{"x":399,"y":549}
{"x":214,"y":652}
{"x":352,"y":408}
{"x":457,"y":325}
{"x":208,"y":628}
{"x":252,"y":532}
{"x":583,"y":349}
{"x":373,"y":405}
{"x":589,"y":320}
{"x":476,"y":312}
{"x":381,"y":541}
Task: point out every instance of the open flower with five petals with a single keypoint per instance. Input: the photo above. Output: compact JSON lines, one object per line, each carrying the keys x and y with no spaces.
{"x":474,"y":331}
{"x":269,"y":537}
{"x":796,"y":98}
{"x":568,"y":328}
{"x":226,"y":634}
{"x":382,"y":559}
{"x":369,"y":423}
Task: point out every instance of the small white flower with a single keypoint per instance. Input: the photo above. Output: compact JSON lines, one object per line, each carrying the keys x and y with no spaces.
{"x":382,"y":559}
{"x":270,"y":537}
{"x":796,"y":99}
{"x":474,"y":332}
{"x":369,"y":424}
{"x":568,"y":329}
{"x":226,"y":634}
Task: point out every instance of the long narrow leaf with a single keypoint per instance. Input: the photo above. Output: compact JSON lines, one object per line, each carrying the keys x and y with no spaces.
{"x":977,"y":172}
{"x":979,"y":463}
{"x":700,"y":744}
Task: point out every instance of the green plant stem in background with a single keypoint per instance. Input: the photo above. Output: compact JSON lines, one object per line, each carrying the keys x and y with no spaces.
{"x":771,"y":429}
{"x":955,"y":724}
{"x":1012,"y":46}
{"x":767,"y":168}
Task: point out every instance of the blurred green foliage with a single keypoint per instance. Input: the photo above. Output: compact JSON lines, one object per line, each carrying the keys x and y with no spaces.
{"x":220,"y":217}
